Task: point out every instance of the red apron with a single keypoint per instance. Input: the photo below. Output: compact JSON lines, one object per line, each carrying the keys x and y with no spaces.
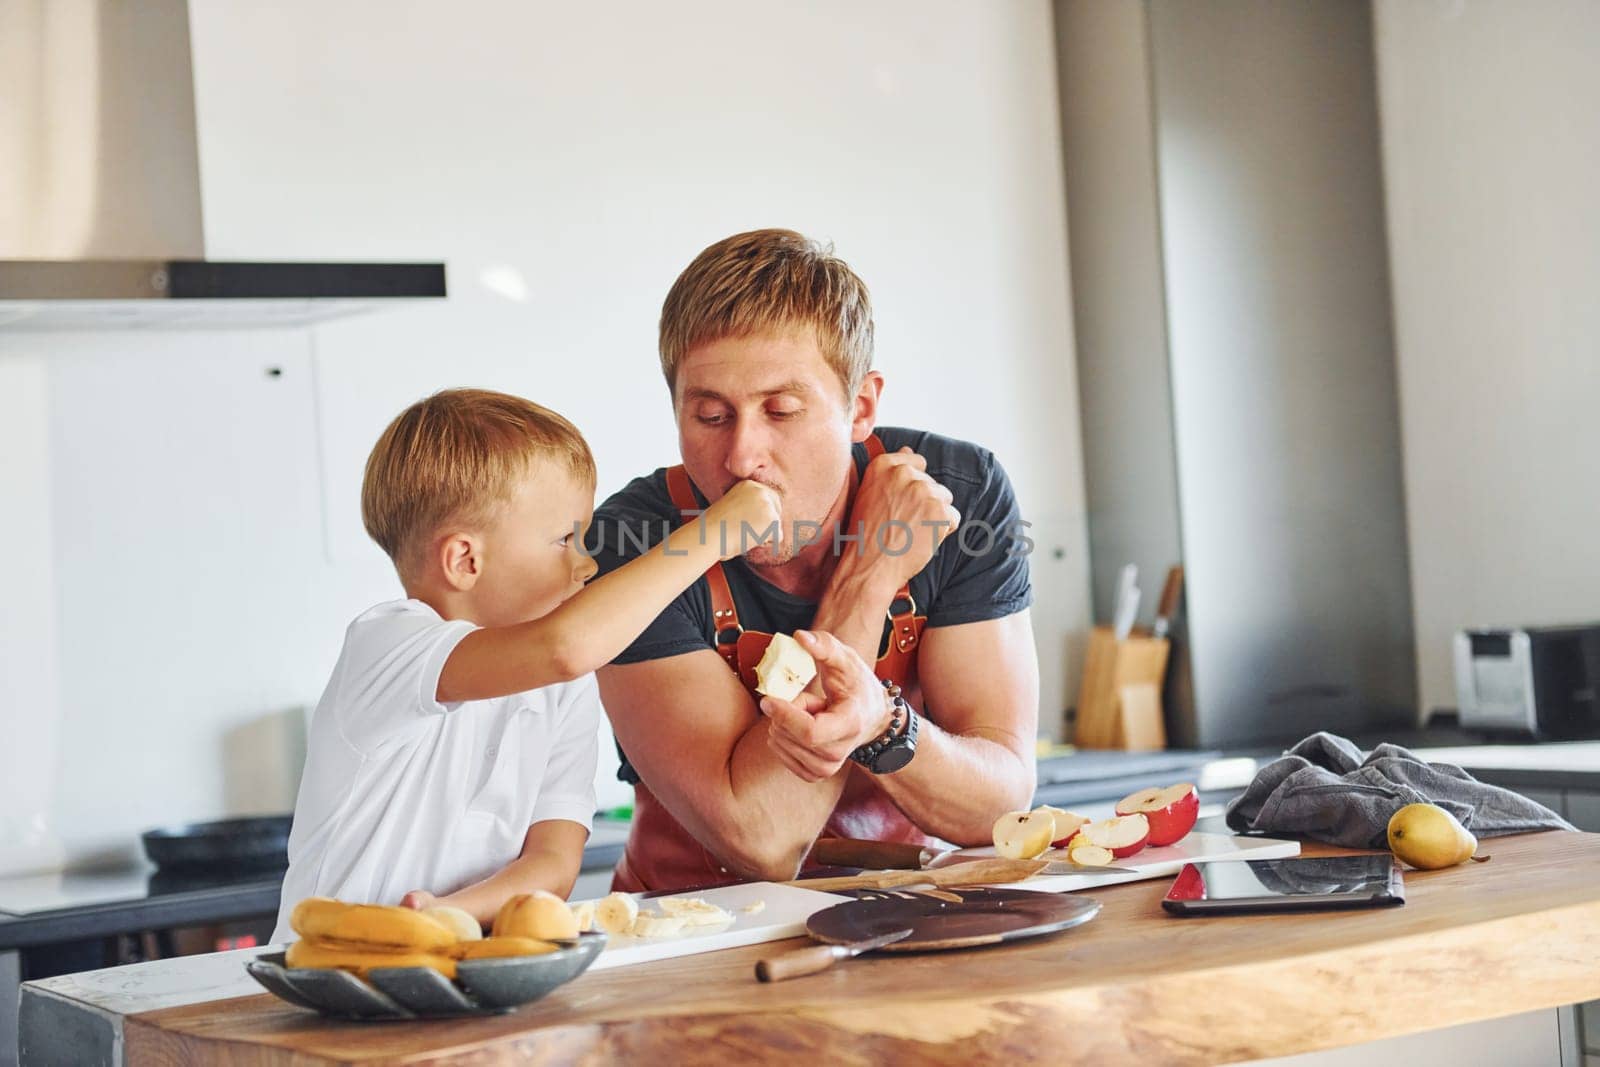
{"x":661,"y":854}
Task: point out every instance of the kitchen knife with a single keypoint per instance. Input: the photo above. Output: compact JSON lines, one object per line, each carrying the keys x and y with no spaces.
{"x":820,"y":957}
{"x":1126,"y":609}
{"x":1168,"y":607}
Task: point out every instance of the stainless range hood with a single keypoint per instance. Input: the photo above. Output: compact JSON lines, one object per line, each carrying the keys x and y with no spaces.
{"x":100,"y":215}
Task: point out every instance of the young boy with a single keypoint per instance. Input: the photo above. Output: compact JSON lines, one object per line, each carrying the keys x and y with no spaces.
{"x":451,"y":759}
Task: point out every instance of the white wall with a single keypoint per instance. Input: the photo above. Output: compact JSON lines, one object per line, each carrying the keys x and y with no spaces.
{"x":566,"y":161}
{"x":1491,"y":147}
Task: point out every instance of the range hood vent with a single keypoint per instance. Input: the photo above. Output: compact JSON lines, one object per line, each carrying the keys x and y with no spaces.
{"x":101,"y":223}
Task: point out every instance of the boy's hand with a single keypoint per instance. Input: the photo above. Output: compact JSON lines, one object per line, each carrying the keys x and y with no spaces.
{"x":418,"y":899}
{"x":748,"y":514}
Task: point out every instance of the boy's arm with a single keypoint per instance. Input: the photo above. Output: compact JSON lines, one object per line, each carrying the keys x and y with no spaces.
{"x":592,"y":628}
{"x":552,"y":855}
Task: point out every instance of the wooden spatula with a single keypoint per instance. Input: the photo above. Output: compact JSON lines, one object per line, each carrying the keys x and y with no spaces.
{"x":978,"y":872}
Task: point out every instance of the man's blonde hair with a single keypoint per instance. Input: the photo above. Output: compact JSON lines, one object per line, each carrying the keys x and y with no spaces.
{"x":456,"y":457}
{"x":768,"y":280}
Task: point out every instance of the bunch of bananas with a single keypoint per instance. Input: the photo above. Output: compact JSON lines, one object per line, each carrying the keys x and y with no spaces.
{"x":361,"y":937}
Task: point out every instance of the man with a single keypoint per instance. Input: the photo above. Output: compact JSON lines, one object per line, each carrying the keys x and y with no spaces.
{"x":766,"y":344}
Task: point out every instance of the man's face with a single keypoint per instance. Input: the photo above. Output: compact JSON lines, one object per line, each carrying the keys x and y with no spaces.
{"x":769,"y":408}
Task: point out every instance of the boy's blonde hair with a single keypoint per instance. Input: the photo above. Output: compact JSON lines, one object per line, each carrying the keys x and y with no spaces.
{"x":770,"y":280}
{"x":456,"y":457}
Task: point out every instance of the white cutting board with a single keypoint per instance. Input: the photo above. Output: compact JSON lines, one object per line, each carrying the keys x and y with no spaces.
{"x":784,"y":914}
{"x":1155,"y":862}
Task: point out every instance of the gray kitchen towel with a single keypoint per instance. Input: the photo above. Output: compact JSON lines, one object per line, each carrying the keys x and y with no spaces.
{"x":1322,"y":789}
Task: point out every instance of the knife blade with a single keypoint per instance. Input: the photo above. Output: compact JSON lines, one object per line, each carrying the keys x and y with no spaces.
{"x":802,"y":961}
{"x":899,"y":855}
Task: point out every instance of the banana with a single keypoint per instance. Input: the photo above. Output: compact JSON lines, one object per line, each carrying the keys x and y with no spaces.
{"x":491,"y":948}
{"x":465,"y":926}
{"x":375,"y":925}
{"x":616,"y":913}
{"x":694,"y":911}
{"x":539,"y":915}
{"x":359,"y":960}
{"x":785,"y":668}
{"x":584,"y":913}
{"x":647,"y":925}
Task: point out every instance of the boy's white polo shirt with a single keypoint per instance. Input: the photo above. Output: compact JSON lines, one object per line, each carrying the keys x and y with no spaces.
{"x":401,"y":792}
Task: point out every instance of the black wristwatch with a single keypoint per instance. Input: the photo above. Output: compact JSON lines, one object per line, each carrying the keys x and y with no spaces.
{"x":894,"y":749}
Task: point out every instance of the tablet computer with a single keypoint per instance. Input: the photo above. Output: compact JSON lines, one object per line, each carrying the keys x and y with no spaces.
{"x":1297,"y":884}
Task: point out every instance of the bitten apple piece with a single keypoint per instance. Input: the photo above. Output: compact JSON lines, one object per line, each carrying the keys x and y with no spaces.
{"x":1171,"y":811}
{"x":785,"y":669}
{"x":1068,"y":823}
{"x":1122,"y":836}
{"x":1022,"y":835}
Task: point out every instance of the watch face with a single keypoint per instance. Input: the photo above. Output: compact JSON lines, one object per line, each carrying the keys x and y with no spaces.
{"x":891,"y":759}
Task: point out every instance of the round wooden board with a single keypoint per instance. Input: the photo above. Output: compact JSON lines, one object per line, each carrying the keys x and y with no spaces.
{"x":983,"y":917}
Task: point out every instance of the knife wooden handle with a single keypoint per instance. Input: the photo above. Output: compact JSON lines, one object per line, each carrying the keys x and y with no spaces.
{"x":977,"y":872}
{"x":872,"y":855}
{"x":1169,"y":594}
{"x":801,"y":961}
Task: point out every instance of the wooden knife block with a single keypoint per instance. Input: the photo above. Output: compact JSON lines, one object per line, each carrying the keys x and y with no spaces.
{"x":1119,"y":702}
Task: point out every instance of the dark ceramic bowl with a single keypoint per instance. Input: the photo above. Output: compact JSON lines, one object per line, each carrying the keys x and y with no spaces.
{"x":481,"y":987}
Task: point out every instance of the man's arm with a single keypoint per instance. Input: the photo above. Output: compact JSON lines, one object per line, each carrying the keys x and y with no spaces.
{"x":973,"y":765}
{"x":692,"y":731}
{"x":552,"y":855}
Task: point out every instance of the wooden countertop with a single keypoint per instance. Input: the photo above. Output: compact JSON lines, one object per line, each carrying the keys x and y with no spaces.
{"x":1479,"y":941}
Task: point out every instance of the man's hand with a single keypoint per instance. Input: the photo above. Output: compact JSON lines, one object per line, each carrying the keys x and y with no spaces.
{"x":902,"y":516}
{"x":814,"y":735}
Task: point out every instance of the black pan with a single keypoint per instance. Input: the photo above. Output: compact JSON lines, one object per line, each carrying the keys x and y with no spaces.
{"x":256,"y":843}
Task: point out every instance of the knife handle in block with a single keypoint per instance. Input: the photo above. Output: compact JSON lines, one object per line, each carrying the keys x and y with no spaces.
{"x":801,"y":961}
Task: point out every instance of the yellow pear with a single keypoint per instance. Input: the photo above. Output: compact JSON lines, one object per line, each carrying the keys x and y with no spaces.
{"x":1428,"y":837}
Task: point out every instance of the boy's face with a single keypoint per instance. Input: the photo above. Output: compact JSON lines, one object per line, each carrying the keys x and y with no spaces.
{"x":769,"y":408}
{"x":531,"y":559}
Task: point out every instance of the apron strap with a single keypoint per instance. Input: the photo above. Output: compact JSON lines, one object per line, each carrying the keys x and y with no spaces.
{"x":905,"y":627}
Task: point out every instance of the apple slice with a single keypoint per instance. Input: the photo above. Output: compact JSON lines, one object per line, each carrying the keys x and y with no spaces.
{"x":1090,"y":855}
{"x":1122,"y":836}
{"x":1022,"y":835}
{"x":1171,"y":811}
{"x":1068,"y":823}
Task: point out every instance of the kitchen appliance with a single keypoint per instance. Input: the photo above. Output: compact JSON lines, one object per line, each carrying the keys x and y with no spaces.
{"x":101,"y":223}
{"x":1538,"y":681}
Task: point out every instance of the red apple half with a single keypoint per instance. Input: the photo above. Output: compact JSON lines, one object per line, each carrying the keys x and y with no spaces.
{"x":1068,"y":823}
{"x":1171,"y":811}
{"x":1123,"y":835}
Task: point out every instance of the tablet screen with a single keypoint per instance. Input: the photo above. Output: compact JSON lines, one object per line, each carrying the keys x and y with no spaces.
{"x":1261,"y":884}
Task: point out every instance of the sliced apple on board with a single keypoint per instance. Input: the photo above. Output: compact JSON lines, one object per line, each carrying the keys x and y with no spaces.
{"x":1022,"y":835}
{"x":1171,"y":811}
{"x":1089,"y":855}
{"x":1068,"y":823}
{"x":1122,"y":835}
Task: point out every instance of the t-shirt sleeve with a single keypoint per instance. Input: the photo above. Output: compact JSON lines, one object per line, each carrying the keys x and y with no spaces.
{"x":984,"y":565}
{"x":619,"y":535}
{"x":567,"y":791}
{"x":389,"y":679}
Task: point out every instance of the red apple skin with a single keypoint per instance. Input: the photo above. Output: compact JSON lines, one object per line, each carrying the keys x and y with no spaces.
{"x":1063,"y":842}
{"x":1170,"y":824}
{"x":1123,"y":851}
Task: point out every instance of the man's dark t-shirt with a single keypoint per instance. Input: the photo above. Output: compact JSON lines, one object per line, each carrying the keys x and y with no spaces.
{"x":980,"y":573}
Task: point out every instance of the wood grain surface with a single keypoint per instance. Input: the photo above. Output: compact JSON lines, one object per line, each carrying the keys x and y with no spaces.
{"x":1478,"y":941}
